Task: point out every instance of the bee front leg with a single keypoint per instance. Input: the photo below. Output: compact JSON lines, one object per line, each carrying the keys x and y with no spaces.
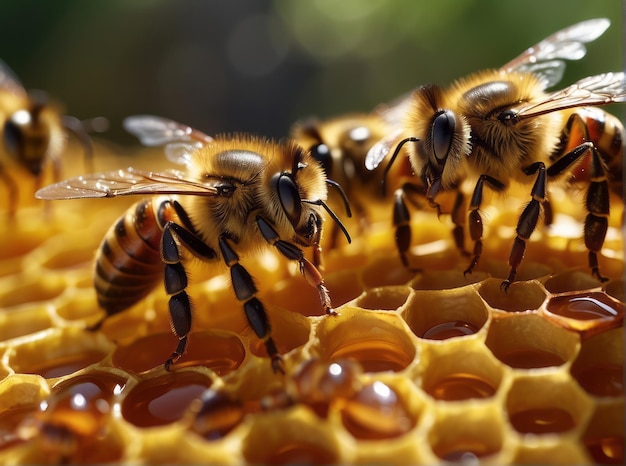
{"x":597,"y":200}
{"x":245,"y":291}
{"x":176,"y":281}
{"x":292,"y":252}
{"x":475,"y":220}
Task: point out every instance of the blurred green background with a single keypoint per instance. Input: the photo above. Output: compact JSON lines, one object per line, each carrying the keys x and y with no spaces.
{"x":259,"y":65}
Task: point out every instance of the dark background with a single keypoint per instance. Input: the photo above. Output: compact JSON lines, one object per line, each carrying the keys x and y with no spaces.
{"x":259,"y":65}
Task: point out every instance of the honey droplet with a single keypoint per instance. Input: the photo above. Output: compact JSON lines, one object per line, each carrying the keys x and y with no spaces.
{"x":376,"y":412}
{"x":215,"y":414}
{"x":163,"y":400}
{"x":65,"y":365}
{"x":445,"y":330}
{"x":542,"y":420}
{"x":608,"y":450}
{"x":587,"y":306}
{"x":530,"y":359}
{"x":376,"y":355}
{"x":601,"y":379}
{"x":460,"y":386}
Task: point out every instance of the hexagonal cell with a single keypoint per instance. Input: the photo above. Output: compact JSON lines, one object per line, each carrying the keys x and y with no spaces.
{"x":23,"y":321}
{"x":385,"y":271}
{"x":446,"y":279}
{"x":378,"y":341}
{"x":474,"y":433}
{"x":527,"y":341}
{"x":220,"y":351}
{"x":546,"y":404}
{"x":388,"y":298}
{"x":599,"y":367}
{"x":588,"y":313}
{"x":520,"y":297}
{"x":380,"y":410}
{"x":78,"y":304}
{"x":439,"y":315}
{"x":163,"y":399}
{"x":460,"y":370}
{"x":571,"y":280}
{"x":565,"y":452}
{"x":604,"y":436}
{"x":58,"y":352}
{"x":295,"y":295}
{"x":293,"y":437}
{"x":30,"y":289}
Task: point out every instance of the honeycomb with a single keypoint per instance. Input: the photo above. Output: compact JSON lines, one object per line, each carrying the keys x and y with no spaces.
{"x":416,"y":368}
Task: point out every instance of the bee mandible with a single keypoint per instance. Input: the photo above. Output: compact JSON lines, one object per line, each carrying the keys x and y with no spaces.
{"x":238,"y":194}
{"x":498,"y":126}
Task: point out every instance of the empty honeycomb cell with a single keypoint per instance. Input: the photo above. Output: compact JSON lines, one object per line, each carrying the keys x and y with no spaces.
{"x":599,"y":367}
{"x":588,"y":313}
{"x":385,"y":271}
{"x":604,"y":436}
{"x":520,"y":297}
{"x":460,"y":370}
{"x":571,"y":280}
{"x":528,"y":341}
{"x":379,"y":411}
{"x":473,"y":434}
{"x":295,"y":436}
{"x":290,"y":330}
{"x":31,"y":289}
{"x":439,"y":315}
{"x":163,"y":399}
{"x":58,"y":352}
{"x":23,"y":320}
{"x":546,"y":404}
{"x":219,"y":351}
{"x":377,"y":340}
{"x":387,"y":298}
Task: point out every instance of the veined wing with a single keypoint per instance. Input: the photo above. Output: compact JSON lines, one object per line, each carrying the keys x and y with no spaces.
{"x":125,"y":183}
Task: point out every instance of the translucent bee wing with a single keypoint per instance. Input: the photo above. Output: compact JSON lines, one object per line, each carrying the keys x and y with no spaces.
{"x":393,"y":113}
{"x":601,"y":89}
{"x":10,"y":81}
{"x":379,"y":151}
{"x":156,"y":131}
{"x":546,"y":57}
{"x":124,"y":183}
{"x":181,"y":152}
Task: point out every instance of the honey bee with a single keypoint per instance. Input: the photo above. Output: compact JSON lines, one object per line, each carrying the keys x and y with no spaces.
{"x":341,"y":144}
{"x":238,"y":194}
{"x":498,"y":126}
{"x":33,"y":134}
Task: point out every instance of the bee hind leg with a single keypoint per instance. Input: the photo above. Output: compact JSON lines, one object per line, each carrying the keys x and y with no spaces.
{"x":175,"y":280}
{"x":596,"y":202}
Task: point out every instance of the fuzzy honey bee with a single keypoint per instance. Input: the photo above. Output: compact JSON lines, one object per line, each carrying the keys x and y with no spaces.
{"x":238,"y":194}
{"x":341,"y":144}
{"x":33,"y":134}
{"x":498,"y":126}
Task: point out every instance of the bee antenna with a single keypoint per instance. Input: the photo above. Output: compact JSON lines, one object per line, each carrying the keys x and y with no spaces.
{"x":332,"y":215}
{"x":338,"y":187}
{"x":392,"y":159}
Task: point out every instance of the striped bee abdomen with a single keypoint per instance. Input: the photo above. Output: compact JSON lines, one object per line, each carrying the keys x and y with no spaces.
{"x":129,"y":265}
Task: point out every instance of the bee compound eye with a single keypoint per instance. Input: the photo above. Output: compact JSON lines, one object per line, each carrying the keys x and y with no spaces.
{"x":442,"y":133}
{"x":289,"y":197}
{"x":321,"y":153}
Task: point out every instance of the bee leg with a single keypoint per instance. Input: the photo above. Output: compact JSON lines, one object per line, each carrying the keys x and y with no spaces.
{"x":458,"y":219}
{"x":245,"y":291}
{"x":476,"y":221}
{"x":527,"y":220}
{"x":292,"y":252}
{"x":175,"y":279}
{"x":596,"y":202}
